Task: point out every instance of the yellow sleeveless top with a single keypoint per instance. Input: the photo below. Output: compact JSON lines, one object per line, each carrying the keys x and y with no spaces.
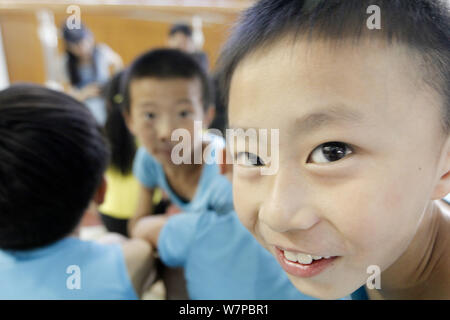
{"x":121,"y":195}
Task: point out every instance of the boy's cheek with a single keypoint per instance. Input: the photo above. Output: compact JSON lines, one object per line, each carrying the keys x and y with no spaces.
{"x":144,"y":134}
{"x":245,"y":203}
{"x":380,"y":232}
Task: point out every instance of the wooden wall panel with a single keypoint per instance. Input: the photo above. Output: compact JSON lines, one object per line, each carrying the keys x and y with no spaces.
{"x":128,"y":36}
{"x":131,"y":37}
{"x":23,"y":51}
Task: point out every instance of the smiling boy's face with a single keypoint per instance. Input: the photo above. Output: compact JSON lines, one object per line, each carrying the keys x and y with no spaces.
{"x":360,"y":198}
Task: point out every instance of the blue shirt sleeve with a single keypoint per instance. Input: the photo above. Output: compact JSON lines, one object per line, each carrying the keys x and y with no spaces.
{"x":360,"y":294}
{"x":222,"y":199}
{"x":145,"y":168}
{"x":176,"y":238}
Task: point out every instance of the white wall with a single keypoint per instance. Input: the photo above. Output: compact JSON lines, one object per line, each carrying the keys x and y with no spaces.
{"x":4,"y":78}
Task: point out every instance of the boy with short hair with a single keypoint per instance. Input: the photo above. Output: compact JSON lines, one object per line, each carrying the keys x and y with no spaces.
{"x":364,"y":147}
{"x":52,"y":160}
{"x":167,"y":91}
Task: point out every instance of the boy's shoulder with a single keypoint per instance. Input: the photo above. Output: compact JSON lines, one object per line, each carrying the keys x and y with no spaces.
{"x":213,"y":229}
{"x":101,"y":269}
{"x":143,"y":154}
{"x":146,"y":168}
{"x":194,"y":227}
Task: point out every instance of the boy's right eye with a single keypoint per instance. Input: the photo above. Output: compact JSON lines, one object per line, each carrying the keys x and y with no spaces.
{"x":330,"y":152}
{"x":249,"y":159}
{"x":149,"y":115}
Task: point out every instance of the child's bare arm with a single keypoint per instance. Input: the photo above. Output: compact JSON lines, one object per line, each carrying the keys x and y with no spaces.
{"x":148,"y":228}
{"x":145,"y":207}
{"x":139,"y":261}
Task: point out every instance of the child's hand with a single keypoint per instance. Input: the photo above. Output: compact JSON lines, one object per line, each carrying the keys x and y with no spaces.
{"x":90,"y":91}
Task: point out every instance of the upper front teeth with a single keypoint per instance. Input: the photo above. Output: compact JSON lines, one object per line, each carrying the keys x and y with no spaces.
{"x":301,"y":257}
{"x":291,"y":256}
{"x":304,"y":258}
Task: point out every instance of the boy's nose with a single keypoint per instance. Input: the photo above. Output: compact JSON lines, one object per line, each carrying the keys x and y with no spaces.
{"x":164,"y":130}
{"x":288,"y":208}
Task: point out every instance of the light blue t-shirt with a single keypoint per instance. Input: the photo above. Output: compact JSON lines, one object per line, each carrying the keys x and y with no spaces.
{"x":213,"y":193}
{"x":222,"y":260}
{"x":58,"y":270}
{"x":360,"y":294}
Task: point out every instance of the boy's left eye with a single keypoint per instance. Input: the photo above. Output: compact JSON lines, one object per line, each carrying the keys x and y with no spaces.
{"x":185,"y":113}
{"x":329,"y":152}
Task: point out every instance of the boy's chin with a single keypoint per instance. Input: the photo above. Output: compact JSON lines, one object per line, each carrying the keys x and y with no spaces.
{"x":329,"y":291}
{"x":164,"y":156}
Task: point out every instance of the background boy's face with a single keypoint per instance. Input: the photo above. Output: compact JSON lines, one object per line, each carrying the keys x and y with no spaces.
{"x":82,"y":49}
{"x":181,"y":42}
{"x":360,"y":200}
{"x":158,"y":107}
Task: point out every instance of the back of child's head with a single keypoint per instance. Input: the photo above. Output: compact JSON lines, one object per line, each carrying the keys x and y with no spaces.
{"x":163,"y":64}
{"x":423,"y":26}
{"x":121,"y":141}
{"x":52,"y":159}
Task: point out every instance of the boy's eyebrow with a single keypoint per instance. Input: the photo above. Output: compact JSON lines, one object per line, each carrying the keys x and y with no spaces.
{"x":147,"y":104}
{"x":337,"y":113}
{"x":313,"y":121}
{"x":183,"y":101}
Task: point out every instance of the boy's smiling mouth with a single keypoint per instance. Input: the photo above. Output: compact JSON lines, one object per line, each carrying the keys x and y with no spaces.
{"x":302,"y":264}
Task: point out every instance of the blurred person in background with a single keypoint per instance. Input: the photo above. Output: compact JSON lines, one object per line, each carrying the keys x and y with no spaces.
{"x":181,"y":38}
{"x":121,"y":197}
{"x":86,"y":67}
{"x":123,"y":188}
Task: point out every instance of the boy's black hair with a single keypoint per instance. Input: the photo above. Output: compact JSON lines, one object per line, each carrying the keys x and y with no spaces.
{"x":166,"y":64}
{"x":52,"y":159}
{"x":219,"y":121}
{"x":121,"y":141}
{"x":182,"y":28}
{"x":422,"y":25}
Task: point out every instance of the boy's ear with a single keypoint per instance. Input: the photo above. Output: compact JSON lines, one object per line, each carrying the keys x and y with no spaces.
{"x":99,"y":196}
{"x":442,"y":187}
{"x":209,"y":116}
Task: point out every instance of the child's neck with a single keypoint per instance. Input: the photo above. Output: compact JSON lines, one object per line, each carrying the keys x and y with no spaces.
{"x":422,"y":270}
{"x":183,"y":170}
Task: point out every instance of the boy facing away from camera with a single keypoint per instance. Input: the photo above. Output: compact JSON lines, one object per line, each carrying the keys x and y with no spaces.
{"x":52,"y":160}
{"x":363,"y":116}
